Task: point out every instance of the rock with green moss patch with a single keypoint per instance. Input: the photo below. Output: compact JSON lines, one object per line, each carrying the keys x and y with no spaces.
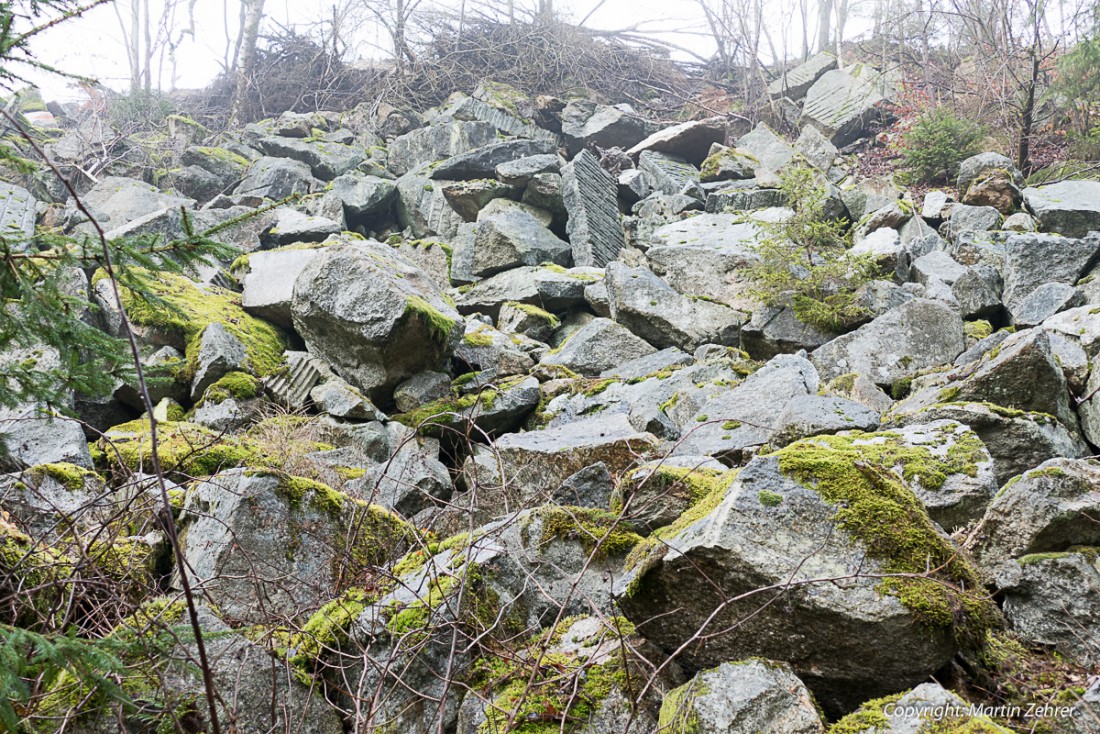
{"x":268,"y":281}
{"x":756,"y":695}
{"x":484,"y":348}
{"x":812,"y":415}
{"x":376,"y":318}
{"x":264,"y":543}
{"x":551,"y":287}
{"x":586,"y":675}
{"x":927,"y":709}
{"x":326,"y":160}
{"x":1048,"y":509}
{"x":276,"y":179}
{"x":51,"y":499}
{"x":338,"y":399}
{"x":410,"y":480}
{"x":527,"y":319}
{"x":1053,"y":599}
{"x":832,"y":551}
{"x":599,"y":345}
{"x":728,"y":164}
{"x":31,"y":435}
{"x":493,"y":408}
{"x":657,"y":493}
{"x":520,"y":469}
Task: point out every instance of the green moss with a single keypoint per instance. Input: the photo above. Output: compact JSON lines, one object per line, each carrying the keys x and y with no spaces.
{"x":438,"y":325}
{"x":889,"y":521}
{"x":670,"y":403}
{"x":769,"y":498}
{"x":326,"y":632}
{"x":901,"y":387}
{"x":536,"y":312}
{"x":597,"y":387}
{"x":678,"y":715}
{"x":68,"y":476}
{"x":977,"y":329}
{"x":482,"y":338}
{"x":182,"y":307}
{"x":224,"y":156}
{"x":868,"y":717}
{"x":1090,"y":553}
{"x":299,"y":490}
{"x":600,"y":532}
{"x":236,"y":385}
{"x":948,"y":394}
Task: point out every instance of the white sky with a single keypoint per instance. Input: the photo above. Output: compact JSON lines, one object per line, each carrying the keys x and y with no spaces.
{"x":93,"y":45}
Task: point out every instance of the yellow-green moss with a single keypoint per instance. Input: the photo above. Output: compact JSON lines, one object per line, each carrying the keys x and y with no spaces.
{"x":236,"y":385}
{"x":68,"y":476}
{"x":769,"y":498}
{"x":536,"y":312}
{"x":977,"y":329}
{"x":326,"y":632}
{"x":439,"y":326}
{"x":481,"y":338}
{"x":598,"y":531}
{"x":869,"y":717}
{"x":876,"y":509}
{"x":678,"y":715}
{"x":182,"y":307}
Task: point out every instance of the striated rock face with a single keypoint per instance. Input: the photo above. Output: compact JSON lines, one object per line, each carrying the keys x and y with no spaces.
{"x":374,"y":317}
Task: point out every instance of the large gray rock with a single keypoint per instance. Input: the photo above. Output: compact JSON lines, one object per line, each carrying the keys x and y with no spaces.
{"x":426,"y":145}
{"x":513,"y":238}
{"x":423,"y":207}
{"x":276,"y":178}
{"x":760,"y":696}
{"x":293,"y":226}
{"x":1032,"y":260}
{"x":777,"y":330}
{"x":115,"y":201}
{"x":1053,"y":599}
{"x":794,"y":83}
{"x":1044,"y":302}
{"x":1016,"y":440}
{"x":782,"y":523}
{"x":269,"y":282}
{"x":912,"y":337}
{"x":1069,"y":208}
{"x":591,"y":198}
{"x":220,"y":353}
{"x":650,"y":308}
{"x":741,"y":418}
{"x":373,"y":316}
{"x":690,"y":140}
{"x":30,"y":436}
{"x":976,"y":166}
{"x":770,"y":150}
{"x":264,"y":543}
{"x":669,"y":174}
{"x":410,"y":480}
{"x":584,"y":122}
{"x":326,"y":160}
{"x":599,"y":345}
{"x":482,"y":162}
{"x":812,"y":415}
{"x":1049,"y":509}
{"x":49,"y":501}
{"x":364,"y":196}
{"x":520,"y":171}
{"x":923,"y":709}
{"x":509,"y":115}
{"x":843,"y":103}
{"x":552,"y":288}
{"x":17,"y":212}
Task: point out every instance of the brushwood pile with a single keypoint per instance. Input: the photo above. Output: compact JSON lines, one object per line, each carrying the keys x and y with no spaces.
{"x":487,"y":430}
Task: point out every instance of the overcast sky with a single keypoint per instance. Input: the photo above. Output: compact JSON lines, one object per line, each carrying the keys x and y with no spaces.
{"x":93,"y":45}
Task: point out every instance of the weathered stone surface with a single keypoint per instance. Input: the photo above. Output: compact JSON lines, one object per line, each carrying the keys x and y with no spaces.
{"x":912,"y":713}
{"x":761,"y":696}
{"x":735,"y":420}
{"x":326,"y":160}
{"x":338,"y":399}
{"x":599,"y":345}
{"x":17,"y":212}
{"x":31,"y":436}
{"x":519,"y":171}
{"x":770,"y":150}
{"x":484,"y":348}
{"x":1053,"y":599}
{"x":421,"y":388}
{"x":669,"y":174}
{"x":978,"y":165}
{"x":552,"y":288}
{"x":1069,"y":208}
{"x":584,"y":122}
{"x":409,"y":480}
{"x":364,"y":196}
{"x":650,"y":308}
{"x":1032,"y":260}
{"x":1044,"y":302}
{"x":253,"y":536}
{"x":115,"y":201}
{"x":219,"y":354}
{"x":591,"y":198}
{"x":513,"y":238}
{"x":480,"y":108}
{"x":777,"y":330}
{"x":813,"y":415}
{"x":482,"y":162}
{"x":269,"y":282}
{"x":794,"y":83}
{"x":773,"y":526}
{"x":914,"y":336}
{"x":816,"y":148}
{"x":373,"y":316}
{"x":423,"y":207}
{"x":51,"y":500}
{"x":690,"y":140}
{"x":1049,"y":509}
{"x":726,"y":164}
{"x":276,"y":178}
{"x":435,"y":142}
{"x":842,"y":103}
{"x":995,"y":189}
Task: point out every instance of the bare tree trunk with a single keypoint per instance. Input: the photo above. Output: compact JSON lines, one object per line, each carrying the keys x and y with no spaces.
{"x":824,"y":24}
{"x":135,"y":45}
{"x":250,"y":33}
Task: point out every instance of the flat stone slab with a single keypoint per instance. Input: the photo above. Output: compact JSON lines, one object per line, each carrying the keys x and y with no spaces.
{"x":842,"y":103}
{"x":796,"y":82}
{"x":595,"y":226}
{"x":16,"y":212}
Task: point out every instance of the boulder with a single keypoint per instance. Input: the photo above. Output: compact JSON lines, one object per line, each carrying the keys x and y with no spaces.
{"x":410,"y":480}
{"x":220,"y":353}
{"x":520,"y":171}
{"x":771,"y":152}
{"x":420,"y":389}
{"x":293,"y":226}
{"x":925,"y":708}
{"x":690,"y":140}
{"x":276,"y":179}
{"x":364,"y":196}
{"x":727,"y":164}
{"x":1049,"y":509}
{"x":268,"y":282}
{"x":1032,"y":260}
{"x":777,"y":330}
{"x":263,"y":543}
{"x":976,"y":166}
{"x":792,"y":522}
{"x":912,"y":337}
{"x":996,"y":189}
{"x":1069,"y":208}
{"x":550,"y":287}
{"x":669,"y":174}
{"x":584,"y":122}
{"x":326,"y":159}
{"x":651,"y":309}
{"x":17,"y":211}
{"x":590,"y":195}
{"x":510,"y":239}
{"x":115,"y":201}
{"x":813,"y":415}
{"x":844,"y":103}
{"x":794,"y":83}
{"x":482,"y":162}
{"x":30,"y":436}
{"x":760,"y":696}
{"x":442,"y":140}
{"x":1051,"y":599}
{"x":373,"y":316}
{"x":599,"y":345}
